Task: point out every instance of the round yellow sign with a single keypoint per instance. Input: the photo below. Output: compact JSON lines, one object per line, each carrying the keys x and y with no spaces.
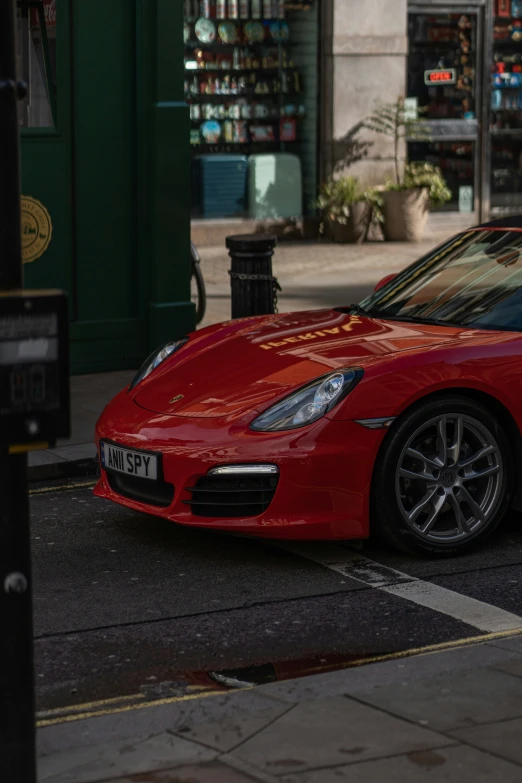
{"x":37,"y":229}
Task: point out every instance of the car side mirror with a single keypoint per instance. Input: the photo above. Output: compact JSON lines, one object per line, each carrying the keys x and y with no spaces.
{"x":383,"y":282}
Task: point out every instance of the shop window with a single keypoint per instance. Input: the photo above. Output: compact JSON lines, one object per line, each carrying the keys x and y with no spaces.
{"x":251,"y":84}
{"x":442,"y":64}
{"x":506,"y":106}
{"x":443,"y":90}
{"x":456,"y":159}
{"x":36,"y":61}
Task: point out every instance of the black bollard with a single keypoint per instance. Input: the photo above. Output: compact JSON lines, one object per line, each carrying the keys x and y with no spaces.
{"x":254,"y":288}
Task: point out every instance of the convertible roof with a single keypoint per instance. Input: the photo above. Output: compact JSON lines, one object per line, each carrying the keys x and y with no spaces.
{"x":513,"y":221}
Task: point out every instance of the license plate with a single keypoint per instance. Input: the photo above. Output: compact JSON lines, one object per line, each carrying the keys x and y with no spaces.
{"x":132,"y":463}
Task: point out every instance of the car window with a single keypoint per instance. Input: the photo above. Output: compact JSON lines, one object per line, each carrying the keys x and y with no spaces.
{"x":476,"y":282}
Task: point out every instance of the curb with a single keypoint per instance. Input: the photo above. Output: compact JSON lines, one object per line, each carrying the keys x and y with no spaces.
{"x":66,"y":462}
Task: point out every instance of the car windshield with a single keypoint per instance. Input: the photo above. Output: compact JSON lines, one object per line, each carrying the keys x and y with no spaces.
{"x":474,"y":280}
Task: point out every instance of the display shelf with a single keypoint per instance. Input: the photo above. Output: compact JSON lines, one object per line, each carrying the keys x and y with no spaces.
{"x":236,"y":71}
{"x":219,"y":44}
{"x":241,"y":147}
{"x":287,"y":84}
{"x":506,"y":132}
{"x":206,"y":97}
{"x":239,"y":21}
{"x":264,"y":121}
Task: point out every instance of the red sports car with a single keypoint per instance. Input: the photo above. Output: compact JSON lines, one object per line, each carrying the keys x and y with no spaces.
{"x":401,"y":415}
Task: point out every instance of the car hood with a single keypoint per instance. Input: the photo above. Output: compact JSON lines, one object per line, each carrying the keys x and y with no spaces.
{"x":249,"y":364}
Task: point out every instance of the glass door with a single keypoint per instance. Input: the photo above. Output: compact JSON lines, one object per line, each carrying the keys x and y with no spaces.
{"x":36,"y":62}
{"x":506,"y":107}
{"x":445,"y":77}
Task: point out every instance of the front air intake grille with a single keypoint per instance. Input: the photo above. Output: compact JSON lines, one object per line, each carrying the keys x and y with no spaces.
{"x":153,"y":493}
{"x":229,"y":497}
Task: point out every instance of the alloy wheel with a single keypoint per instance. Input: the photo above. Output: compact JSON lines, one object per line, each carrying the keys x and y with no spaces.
{"x":449,"y":478}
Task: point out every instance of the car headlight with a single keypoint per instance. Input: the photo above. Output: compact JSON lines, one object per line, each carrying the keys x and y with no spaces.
{"x":154,"y":360}
{"x":308,"y":404}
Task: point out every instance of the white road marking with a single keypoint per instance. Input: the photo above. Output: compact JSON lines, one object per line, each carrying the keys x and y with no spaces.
{"x":478,"y":614}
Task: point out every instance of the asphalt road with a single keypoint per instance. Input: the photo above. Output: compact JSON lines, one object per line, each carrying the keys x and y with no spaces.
{"x":126,"y":604}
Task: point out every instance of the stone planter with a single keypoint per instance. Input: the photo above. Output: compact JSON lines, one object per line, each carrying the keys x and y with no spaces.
{"x":405,"y":214}
{"x":311,"y":228}
{"x":356,"y":229}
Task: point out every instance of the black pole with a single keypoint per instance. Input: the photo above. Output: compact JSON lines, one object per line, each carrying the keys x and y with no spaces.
{"x":17,"y":724}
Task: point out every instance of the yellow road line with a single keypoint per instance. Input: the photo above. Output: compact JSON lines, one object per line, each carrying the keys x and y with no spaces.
{"x":128,"y":708}
{"x":90,"y":705}
{"x":85,"y":711}
{"x":62,"y":488}
{"x":430,"y":648}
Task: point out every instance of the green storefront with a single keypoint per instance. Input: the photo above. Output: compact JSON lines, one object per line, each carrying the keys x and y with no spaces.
{"x":106,"y":172}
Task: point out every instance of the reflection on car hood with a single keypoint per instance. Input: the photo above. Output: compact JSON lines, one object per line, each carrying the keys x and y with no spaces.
{"x":246,"y":364}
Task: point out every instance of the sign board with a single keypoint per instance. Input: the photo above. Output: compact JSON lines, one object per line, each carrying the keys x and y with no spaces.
{"x":34,"y":367}
{"x":466,"y":199}
{"x":411,"y":109}
{"x":37,"y":228}
{"x":440,"y":76}
{"x":49,"y":8}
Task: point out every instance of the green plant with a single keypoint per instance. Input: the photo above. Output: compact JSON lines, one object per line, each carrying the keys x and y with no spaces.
{"x":336,"y":197}
{"x":394,"y":121}
{"x":374,"y":199}
{"x":419,"y":174}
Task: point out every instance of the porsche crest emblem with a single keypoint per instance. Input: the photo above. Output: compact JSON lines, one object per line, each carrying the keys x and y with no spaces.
{"x":176,"y":399}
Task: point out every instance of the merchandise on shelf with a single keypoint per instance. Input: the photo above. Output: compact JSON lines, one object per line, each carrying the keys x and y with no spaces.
{"x":230,"y":52}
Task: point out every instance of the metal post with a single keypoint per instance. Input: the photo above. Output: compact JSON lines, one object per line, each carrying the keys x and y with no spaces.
{"x":17,"y":725}
{"x":253,"y":287}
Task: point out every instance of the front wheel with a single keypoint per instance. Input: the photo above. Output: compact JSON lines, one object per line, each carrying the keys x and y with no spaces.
{"x":441,"y":482}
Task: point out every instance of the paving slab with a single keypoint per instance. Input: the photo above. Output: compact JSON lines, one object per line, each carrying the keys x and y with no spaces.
{"x":502,"y":739}
{"x":206,"y":773}
{"x":509,"y":667}
{"x":444,"y":765}
{"x":132,"y":756}
{"x":228,"y":734}
{"x":452,"y":701}
{"x":171,"y":716}
{"x":328,"y":732}
{"x":513,"y":644}
{"x":77,"y":455}
{"x":364,"y":678}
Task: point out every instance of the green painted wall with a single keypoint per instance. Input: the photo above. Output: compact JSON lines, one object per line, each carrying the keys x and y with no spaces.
{"x":115,"y":178}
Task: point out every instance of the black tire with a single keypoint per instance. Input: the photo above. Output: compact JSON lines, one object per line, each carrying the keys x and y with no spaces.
{"x":389,"y":496}
{"x":198,"y":291}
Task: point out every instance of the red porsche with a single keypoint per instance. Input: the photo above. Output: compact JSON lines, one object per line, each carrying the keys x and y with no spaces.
{"x":401,"y":415}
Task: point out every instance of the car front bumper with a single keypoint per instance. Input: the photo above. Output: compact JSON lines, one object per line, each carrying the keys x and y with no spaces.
{"x":325,"y":470}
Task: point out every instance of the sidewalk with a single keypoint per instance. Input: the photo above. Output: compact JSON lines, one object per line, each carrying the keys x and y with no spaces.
{"x":312,"y":275}
{"x":453,"y":715}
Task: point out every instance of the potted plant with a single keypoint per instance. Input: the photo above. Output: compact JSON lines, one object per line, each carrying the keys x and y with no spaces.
{"x":347,"y":209}
{"x":420,"y":186}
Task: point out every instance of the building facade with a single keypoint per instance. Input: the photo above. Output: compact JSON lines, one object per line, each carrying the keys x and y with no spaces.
{"x":143,"y":115}
{"x":105,"y":173}
{"x":279,"y":98}
{"x":459,"y":64}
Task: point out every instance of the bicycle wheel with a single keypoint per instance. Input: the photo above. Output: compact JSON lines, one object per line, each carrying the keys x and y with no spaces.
{"x":198,"y":293}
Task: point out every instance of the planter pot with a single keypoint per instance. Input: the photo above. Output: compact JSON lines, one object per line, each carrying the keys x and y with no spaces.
{"x":405,"y":214}
{"x":356,"y":229}
{"x":311,"y":228}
